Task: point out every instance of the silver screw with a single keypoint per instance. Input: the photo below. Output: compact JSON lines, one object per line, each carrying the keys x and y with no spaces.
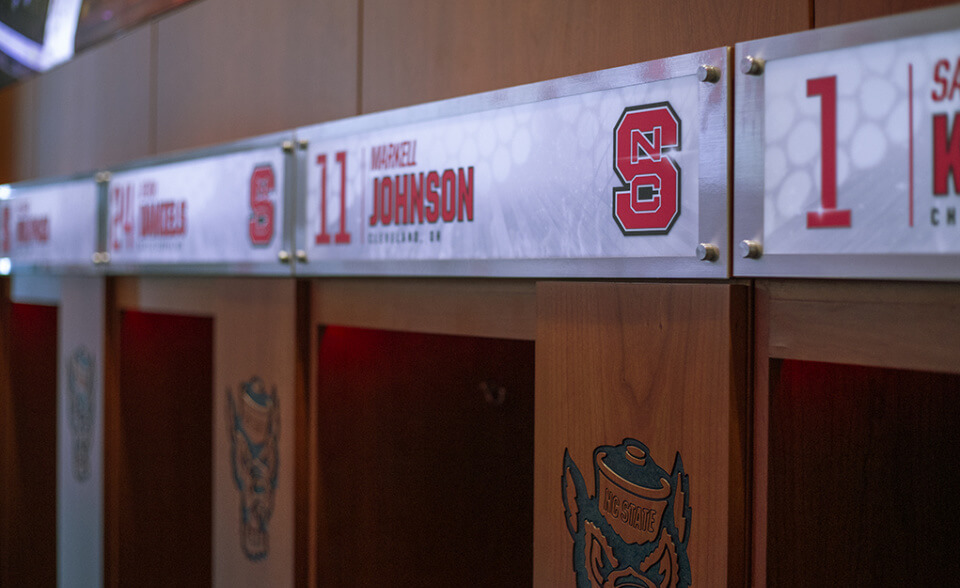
{"x":751,"y":66}
{"x":301,"y":256}
{"x":303,"y":144}
{"x":708,"y":74}
{"x":287,"y":146}
{"x":102,"y":177}
{"x":708,"y":252}
{"x":96,"y":258}
{"x":283,"y":256}
{"x":750,"y":249}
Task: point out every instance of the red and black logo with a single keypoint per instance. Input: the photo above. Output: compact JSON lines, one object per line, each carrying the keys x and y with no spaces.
{"x":648,"y":200}
{"x":634,"y":529}
{"x":263,"y":187}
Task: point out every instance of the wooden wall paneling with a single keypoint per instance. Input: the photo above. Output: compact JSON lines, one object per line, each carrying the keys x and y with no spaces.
{"x":417,"y":50}
{"x":230,"y":69}
{"x":833,"y":12}
{"x":664,"y":364}
{"x":504,"y":309}
{"x":95,"y":111}
{"x":883,"y":324}
{"x":17,"y":122}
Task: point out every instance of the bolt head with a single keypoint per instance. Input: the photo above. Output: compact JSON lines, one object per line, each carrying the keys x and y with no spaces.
{"x":708,"y":252}
{"x":708,"y":74}
{"x":751,"y":66}
{"x":750,"y":249}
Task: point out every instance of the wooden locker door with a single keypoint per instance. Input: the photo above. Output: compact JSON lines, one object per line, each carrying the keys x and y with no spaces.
{"x":652,"y":374}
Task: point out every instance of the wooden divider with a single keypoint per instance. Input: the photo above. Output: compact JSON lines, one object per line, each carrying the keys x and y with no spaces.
{"x":662,"y":364}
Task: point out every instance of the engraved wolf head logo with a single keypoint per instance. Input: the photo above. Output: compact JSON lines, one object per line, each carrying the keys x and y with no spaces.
{"x":80,"y":374}
{"x":633,"y":532}
{"x":255,"y":453}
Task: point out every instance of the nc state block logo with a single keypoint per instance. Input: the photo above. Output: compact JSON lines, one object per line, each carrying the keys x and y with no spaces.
{"x":648,"y":200}
{"x":263,"y":187}
{"x":633,"y":532}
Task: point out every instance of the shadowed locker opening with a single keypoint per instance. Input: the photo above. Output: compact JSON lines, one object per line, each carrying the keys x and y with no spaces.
{"x":864,"y":476}
{"x":425,"y":459}
{"x":32,"y":483}
{"x":166,"y":374}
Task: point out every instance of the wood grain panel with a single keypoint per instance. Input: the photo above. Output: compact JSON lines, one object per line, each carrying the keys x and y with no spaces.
{"x":95,"y":111}
{"x":417,"y":50}
{"x":229,"y":69}
{"x":911,"y":326}
{"x":422,"y":481}
{"x":482,"y":308}
{"x":862,"y":476}
{"x":833,"y":12}
{"x":32,"y":482}
{"x":663,"y":364}
{"x":17,"y":120}
{"x":760,"y":436}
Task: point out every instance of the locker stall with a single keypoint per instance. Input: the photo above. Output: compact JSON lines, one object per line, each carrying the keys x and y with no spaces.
{"x":422,"y":430}
{"x":53,"y":361}
{"x":203,"y":368}
{"x":464,"y":483}
{"x":856,"y":421}
{"x":855,"y":396}
{"x":474,"y":430}
{"x":204,"y":393}
{"x":53,"y":329}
